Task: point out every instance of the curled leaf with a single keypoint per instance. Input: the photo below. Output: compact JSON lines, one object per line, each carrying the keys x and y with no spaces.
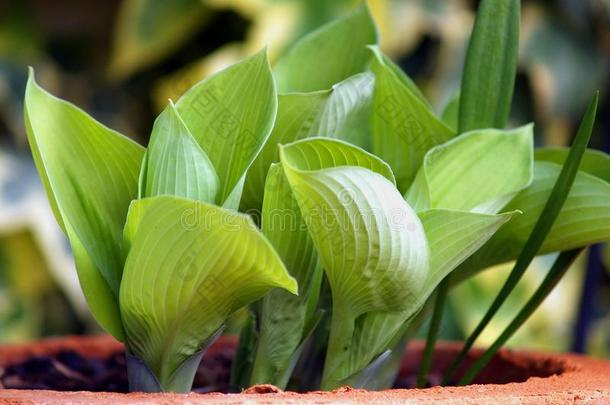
{"x":189,"y":266}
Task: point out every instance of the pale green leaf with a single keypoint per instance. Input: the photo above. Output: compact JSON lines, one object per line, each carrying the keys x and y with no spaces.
{"x":284,"y":317}
{"x":90,"y":175}
{"x":403,"y":126}
{"x":190,"y":265}
{"x":594,"y":162}
{"x":371,"y":244}
{"x":480,"y":170}
{"x":328,"y":55}
{"x":491,"y":66}
{"x":324,"y":153}
{"x":230,"y":115}
{"x":342,"y":112}
{"x":149,"y":30}
{"x":452,"y":237}
{"x":347,"y":113}
{"x":175,"y":164}
{"x":584,"y":219}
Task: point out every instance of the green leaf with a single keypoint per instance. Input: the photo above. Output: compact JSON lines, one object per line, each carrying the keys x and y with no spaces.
{"x":451,"y":112}
{"x":400,"y":74}
{"x":149,"y":30}
{"x":583,"y":220}
{"x":323,"y":153}
{"x":370,"y":242}
{"x":480,"y":171}
{"x":90,"y":175}
{"x":342,"y":112}
{"x":190,"y":265}
{"x":452,"y":236}
{"x":403,"y":126}
{"x":243,"y":360}
{"x":175,"y":164}
{"x":296,"y":117}
{"x":328,"y":55}
{"x":594,"y":162}
{"x":230,"y":115}
{"x":283,"y":316}
{"x":491,"y":65}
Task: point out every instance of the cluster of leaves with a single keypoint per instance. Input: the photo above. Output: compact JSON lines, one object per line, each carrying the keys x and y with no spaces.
{"x":366,"y":201}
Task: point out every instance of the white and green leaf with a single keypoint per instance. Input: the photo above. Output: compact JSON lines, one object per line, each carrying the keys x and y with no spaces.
{"x":297,"y":115}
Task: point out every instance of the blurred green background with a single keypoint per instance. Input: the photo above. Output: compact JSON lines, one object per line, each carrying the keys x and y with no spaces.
{"x":122,"y":59}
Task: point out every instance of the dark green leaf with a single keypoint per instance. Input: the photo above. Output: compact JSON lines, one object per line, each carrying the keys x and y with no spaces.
{"x":491,"y":66}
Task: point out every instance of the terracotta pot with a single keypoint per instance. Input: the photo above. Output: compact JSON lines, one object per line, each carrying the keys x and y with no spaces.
{"x":515,"y":377}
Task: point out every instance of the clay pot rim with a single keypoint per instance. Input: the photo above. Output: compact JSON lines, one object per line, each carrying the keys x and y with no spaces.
{"x":582,"y":379}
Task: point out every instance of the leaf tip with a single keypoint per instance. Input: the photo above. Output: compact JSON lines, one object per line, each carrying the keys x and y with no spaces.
{"x":291,"y":285}
{"x":31,"y":82}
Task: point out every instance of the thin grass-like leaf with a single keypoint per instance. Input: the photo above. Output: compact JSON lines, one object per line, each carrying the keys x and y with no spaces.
{"x":432,"y":336}
{"x":555,"y":274}
{"x":542,"y":228}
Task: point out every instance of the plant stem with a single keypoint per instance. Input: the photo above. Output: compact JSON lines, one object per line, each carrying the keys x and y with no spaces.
{"x":435,"y":323}
{"x":541,"y":229}
{"x":557,"y":271}
{"x":339,"y":345}
{"x":241,"y":368}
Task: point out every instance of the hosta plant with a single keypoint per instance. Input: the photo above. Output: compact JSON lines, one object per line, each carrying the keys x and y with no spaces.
{"x":325,"y":195}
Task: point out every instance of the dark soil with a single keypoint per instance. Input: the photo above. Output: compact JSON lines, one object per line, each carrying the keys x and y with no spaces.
{"x":70,"y":371}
